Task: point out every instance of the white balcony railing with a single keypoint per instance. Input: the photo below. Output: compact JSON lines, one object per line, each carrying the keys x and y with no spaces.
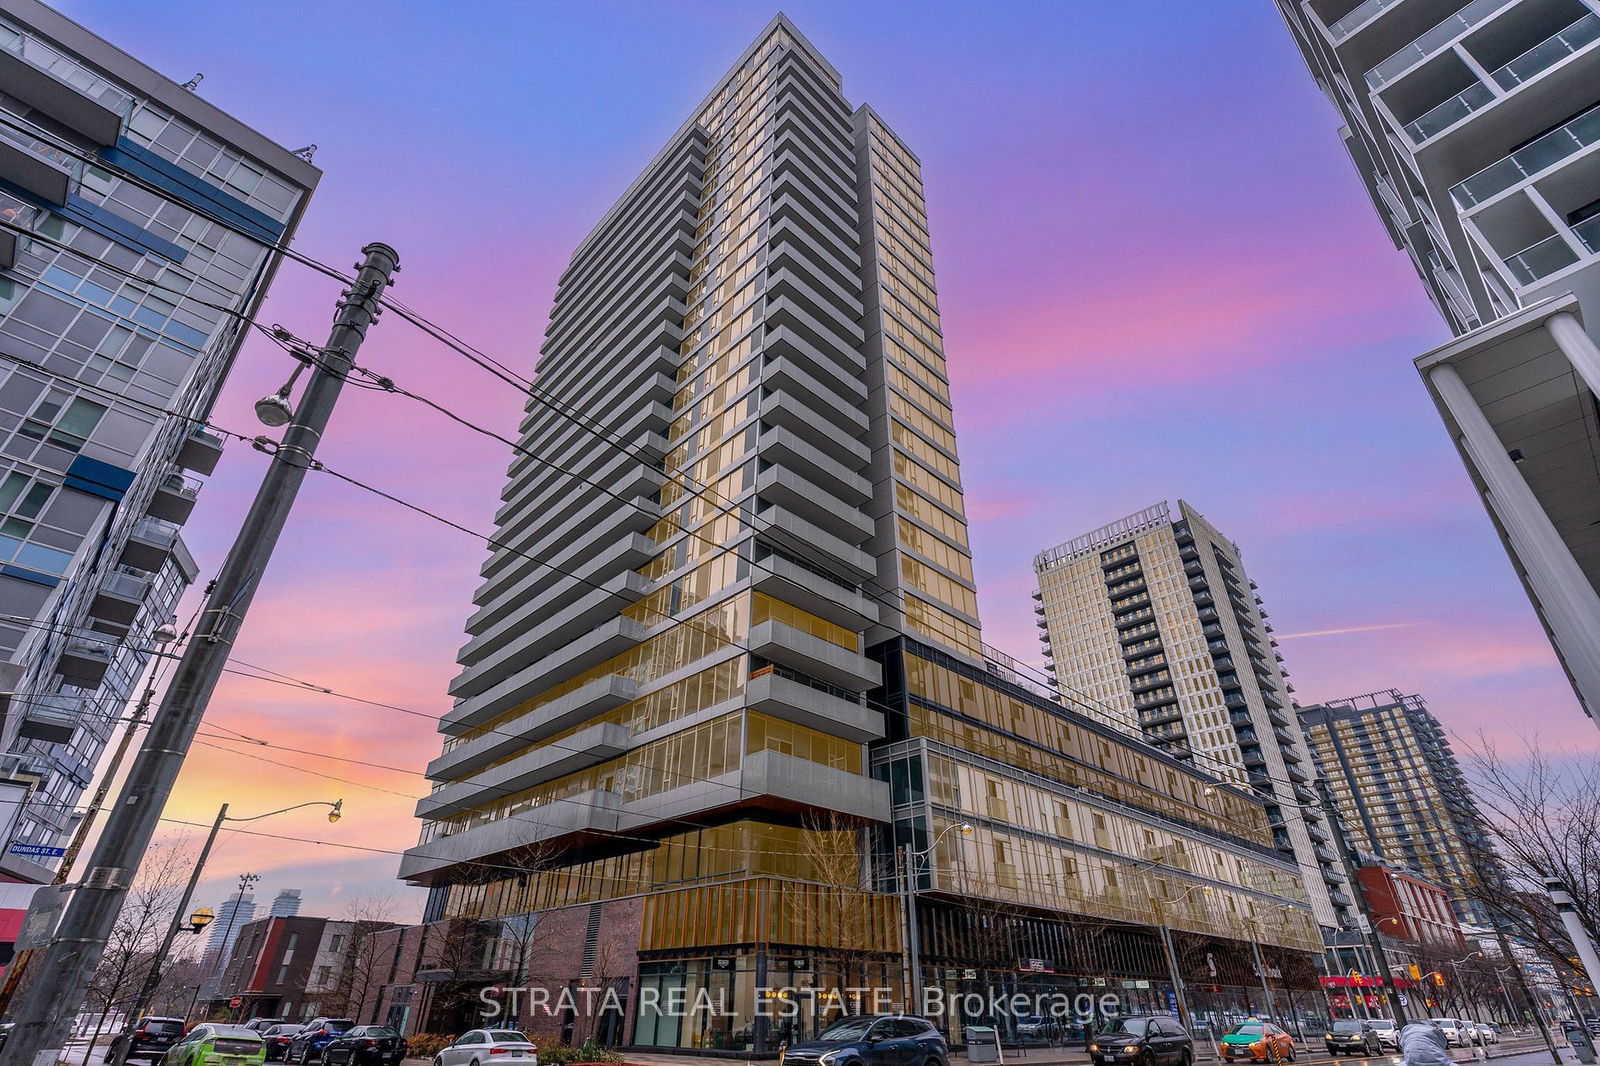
{"x":1552,"y":50}
{"x":1539,"y":155}
{"x":1433,"y":41}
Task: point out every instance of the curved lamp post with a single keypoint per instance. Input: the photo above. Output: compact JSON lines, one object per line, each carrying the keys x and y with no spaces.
{"x":200,"y":919}
{"x":908,"y":912}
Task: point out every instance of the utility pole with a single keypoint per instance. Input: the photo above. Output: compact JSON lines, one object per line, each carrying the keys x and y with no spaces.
{"x":70,"y":959}
{"x":1374,"y":938}
{"x":225,"y":950}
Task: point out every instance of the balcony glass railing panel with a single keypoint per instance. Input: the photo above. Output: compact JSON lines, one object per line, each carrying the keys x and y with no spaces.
{"x":1525,"y":162}
{"x":1541,"y":260}
{"x":1358,"y":18}
{"x":1433,"y":41}
{"x":1588,"y":231}
{"x":45,"y":150}
{"x":1450,"y":112}
{"x":1549,"y":52}
{"x":37,"y":53}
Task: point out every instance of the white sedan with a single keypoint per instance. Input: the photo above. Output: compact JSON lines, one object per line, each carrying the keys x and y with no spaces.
{"x":474,"y":1048}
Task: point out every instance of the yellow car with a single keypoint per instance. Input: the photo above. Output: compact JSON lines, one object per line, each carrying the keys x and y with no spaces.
{"x":218,"y":1045}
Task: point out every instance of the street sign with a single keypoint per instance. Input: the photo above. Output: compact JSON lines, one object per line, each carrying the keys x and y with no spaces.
{"x":44,"y":911}
{"x":236,"y":1001}
{"x":1405,"y":1001}
{"x":36,"y":851}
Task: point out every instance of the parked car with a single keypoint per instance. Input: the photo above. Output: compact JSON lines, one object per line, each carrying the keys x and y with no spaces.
{"x":307,"y":1044}
{"x":863,"y":1040}
{"x":1258,"y":1042}
{"x":474,"y":1048}
{"x":1352,"y":1036}
{"x":1387,"y":1031}
{"x":1455,"y":1030}
{"x":366,"y":1045}
{"x":278,"y":1038}
{"x":151,"y":1038}
{"x":1593,"y":1025}
{"x":1143,"y":1039}
{"x":261,"y":1025}
{"x":218,"y":1045}
{"x":1034,"y":1029}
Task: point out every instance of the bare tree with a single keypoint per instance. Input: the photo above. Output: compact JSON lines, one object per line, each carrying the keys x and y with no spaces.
{"x":457,"y":954}
{"x":836,"y":906}
{"x":358,"y":966}
{"x":1543,"y":813}
{"x":143,"y":922}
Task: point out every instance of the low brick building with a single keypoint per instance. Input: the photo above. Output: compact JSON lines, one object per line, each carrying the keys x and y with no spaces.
{"x":448,"y":976}
{"x":298,"y":967}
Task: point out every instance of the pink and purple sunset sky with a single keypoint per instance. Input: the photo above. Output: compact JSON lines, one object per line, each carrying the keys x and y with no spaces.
{"x":1159,"y":277}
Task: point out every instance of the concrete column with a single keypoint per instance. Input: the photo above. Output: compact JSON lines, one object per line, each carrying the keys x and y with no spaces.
{"x":1577,"y":346}
{"x":1571,"y":607}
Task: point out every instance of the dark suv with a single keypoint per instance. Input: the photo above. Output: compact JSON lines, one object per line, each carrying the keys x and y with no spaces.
{"x":873,"y":1040}
{"x":307,"y":1045}
{"x":150,"y":1039}
{"x":1352,"y":1036}
{"x":1144,"y":1039}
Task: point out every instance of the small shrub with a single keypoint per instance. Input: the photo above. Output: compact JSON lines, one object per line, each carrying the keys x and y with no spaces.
{"x":426,"y":1045}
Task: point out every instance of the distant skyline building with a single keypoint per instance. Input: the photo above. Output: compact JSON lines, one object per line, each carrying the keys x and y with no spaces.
{"x":286,"y":904}
{"x":1400,"y":792}
{"x":128,"y":208}
{"x":1475,"y":126}
{"x":236,"y":912}
{"x":726,"y":660}
{"x":1153,"y":625}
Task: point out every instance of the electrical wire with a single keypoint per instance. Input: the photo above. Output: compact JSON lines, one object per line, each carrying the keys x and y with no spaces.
{"x":501,"y":371}
{"x":526,"y":386}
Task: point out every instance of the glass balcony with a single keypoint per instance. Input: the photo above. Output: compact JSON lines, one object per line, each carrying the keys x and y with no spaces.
{"x":1433,"y":41}
{"x":1358,"y":18}
{"x":1450,"y":112}
{"x":1525,"y":162}
{"x":1548,"y":53}
{"x":58,"y":65}
{"x":1588,"y":231}
{"x":1541,"y":260}
{"x":45,"y":150}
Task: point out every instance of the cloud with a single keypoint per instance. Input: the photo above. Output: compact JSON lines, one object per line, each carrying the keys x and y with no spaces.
{"x":1347,"y":629}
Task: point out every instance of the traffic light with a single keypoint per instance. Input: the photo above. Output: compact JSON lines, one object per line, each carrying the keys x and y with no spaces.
{"x":1416,"y":972}
{"x":1438,"y":979}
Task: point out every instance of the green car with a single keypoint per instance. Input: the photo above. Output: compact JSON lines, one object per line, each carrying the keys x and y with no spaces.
{"x":218,"y":1045}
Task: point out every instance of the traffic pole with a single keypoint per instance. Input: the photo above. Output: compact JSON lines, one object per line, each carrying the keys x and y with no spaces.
{"x":152,"y":977}
{"x":68,"y":963}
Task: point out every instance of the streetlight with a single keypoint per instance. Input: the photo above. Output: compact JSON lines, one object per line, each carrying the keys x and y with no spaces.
{"x":913,"y":945}
{"x":199,"y":919}
{"x":1172,"y":957}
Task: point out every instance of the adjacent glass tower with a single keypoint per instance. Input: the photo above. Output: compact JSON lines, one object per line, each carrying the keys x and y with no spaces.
{"x":726,"y":656}
{"x":1475,"y":125}
{"x":136,"y":222}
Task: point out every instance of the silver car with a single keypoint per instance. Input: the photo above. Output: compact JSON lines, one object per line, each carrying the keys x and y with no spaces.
{"x":474,"y":1048}
{"x":1387,"y":1032}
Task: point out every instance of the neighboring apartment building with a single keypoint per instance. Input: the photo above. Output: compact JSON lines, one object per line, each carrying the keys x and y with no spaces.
{"x":1400,"y":793}
{"x":1151,"y":625}
{"x":1475,"y":125}
{"x":297,"y":967}
{"x":726,"y":654}
{"x":107,"y":169}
